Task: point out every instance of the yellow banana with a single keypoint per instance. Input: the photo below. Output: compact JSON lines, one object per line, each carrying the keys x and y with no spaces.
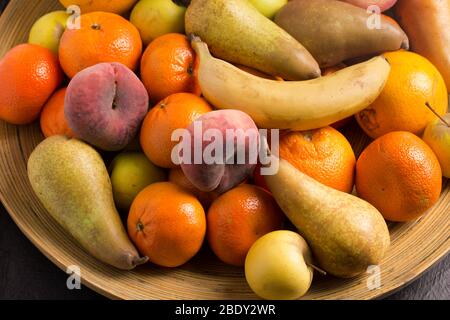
{"x":296,"y":105}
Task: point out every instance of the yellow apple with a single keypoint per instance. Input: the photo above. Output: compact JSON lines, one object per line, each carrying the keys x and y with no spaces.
{"x":437,"y":136}
{"x":278,"y":266}
{"x":154,"y":18}
{"x":48,"y":29}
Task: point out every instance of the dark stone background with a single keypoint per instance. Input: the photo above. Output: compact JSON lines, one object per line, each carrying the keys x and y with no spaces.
{"x":25,"y":273}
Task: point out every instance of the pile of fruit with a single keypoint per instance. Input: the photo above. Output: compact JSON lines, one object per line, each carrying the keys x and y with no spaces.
{"x":104,"y":86}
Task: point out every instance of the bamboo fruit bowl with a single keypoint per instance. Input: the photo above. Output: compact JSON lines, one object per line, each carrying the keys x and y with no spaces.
{"x":415,"y":246}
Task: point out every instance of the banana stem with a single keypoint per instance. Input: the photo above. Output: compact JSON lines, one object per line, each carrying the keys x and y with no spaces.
{"x":199,"y":47}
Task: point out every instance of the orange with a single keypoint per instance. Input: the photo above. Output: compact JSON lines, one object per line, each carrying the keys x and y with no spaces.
{"x":169,"y":66}
{"x":29,"y":74}
{"x":402,"y":105}
{"x":103,"y":37}
{"x":167,"y":224}
{"x":323,"y":154}
{"x":177,"y":111}
{"x":53,"y":121}
{"x":178,"y":177}
{"x":116,"y":6}
{"x":238,"y":218}
{"x":400,"y":175}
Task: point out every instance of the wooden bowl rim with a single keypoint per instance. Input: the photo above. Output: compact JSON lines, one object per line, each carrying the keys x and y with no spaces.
{"x":90,"y":281}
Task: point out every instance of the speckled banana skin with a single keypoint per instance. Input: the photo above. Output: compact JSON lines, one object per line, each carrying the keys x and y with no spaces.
{"x":296,"y":105}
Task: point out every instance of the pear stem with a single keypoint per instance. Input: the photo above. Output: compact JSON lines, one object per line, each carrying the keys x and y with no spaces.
{"x":437,"y":115}
{"x":321,"y":271}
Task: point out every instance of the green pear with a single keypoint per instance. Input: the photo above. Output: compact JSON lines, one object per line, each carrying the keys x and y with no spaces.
{"x":278,"y":266}
{"x":48,"y":29}
{"x":237,"y":32}
{"x":335,"y":31}
{"x":71,"y":180}
{"x":346,"y":234}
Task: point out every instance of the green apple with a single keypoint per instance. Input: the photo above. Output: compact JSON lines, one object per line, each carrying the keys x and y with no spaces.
{"x":155,"y":18}
{"x":279,"y":266}
{"x":131,"y":172}
{"x":48,"y":29}
{"x":269,"y":8}
{"x":437,"y":136}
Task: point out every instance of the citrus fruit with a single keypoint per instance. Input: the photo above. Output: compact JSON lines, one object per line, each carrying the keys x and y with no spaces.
{"x":29,"y":74}
{"x":413,"y":84}
{"x":400,"y":175}
{"x":238,"y":218}
{"x":177,"y":111}
{"x":116,"y":6}
{"x":323,"y":154}
{"x":103,"y":37}
{"x":169,"y":66}
{"x":167,"y":224}
{"x":53,"y":122}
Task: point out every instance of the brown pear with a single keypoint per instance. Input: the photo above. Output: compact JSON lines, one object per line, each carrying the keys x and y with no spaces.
{"x":334,"y":31}
{"x":427,"y":24}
